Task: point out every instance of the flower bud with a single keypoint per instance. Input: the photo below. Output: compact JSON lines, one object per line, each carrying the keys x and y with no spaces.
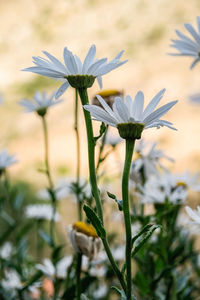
{"x":108,"y":96}
{"x":84,"y":239}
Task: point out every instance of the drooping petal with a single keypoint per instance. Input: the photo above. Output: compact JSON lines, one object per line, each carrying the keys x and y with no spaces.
{"x":62,"y":89}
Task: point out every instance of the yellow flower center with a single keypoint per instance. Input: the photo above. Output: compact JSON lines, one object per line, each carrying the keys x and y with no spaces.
{"x":85,"y":228}
{"x":137,"y":155}
{"x":181,"y":183}
{"x":108,"y":93}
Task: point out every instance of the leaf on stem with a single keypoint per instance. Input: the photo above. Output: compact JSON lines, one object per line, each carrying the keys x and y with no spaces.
{"x":95,"y":221}
{"x":101,"y":132}
{"x":119,"y":202}
{"x":147,"y":235}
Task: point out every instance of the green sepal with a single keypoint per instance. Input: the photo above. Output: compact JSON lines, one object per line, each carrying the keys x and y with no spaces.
{"x":95,"y":221}
{"x":80,"y":81}
{"x":119,"y":202}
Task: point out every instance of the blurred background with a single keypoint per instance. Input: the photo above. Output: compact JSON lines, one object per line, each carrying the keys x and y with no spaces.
{"x":142,"y":28}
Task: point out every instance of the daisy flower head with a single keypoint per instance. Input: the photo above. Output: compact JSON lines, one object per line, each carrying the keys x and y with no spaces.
{"x":129,"y":115}
{"x":40,"y":103}
{"x":73,"y":72}
{"x":6,"y":160}
{"x":188,"y":46}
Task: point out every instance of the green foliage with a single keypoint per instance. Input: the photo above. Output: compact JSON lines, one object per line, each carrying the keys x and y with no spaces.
{"x":95,"y":221}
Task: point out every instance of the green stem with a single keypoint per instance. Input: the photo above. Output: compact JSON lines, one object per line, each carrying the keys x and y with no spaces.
{"x":50,"y":180}
{"x":79,"y":203}
{"x":99,"y":160}
{"x":78,"y":276}
{"x":91,"y":155}
{"x":126,"y":211}
{"x":114,"y":265}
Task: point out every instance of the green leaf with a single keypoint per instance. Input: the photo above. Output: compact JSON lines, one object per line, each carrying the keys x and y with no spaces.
{"x":144,"y":230}
{"x":147,"y":235}
{"x":101,"y":132}
{"x":121,"y":293}
{"x":95,"y":221}
{"x":47,"y":238}
{"x":119,"y":202}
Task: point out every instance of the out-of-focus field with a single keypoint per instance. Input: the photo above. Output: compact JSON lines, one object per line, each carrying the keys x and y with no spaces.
{"x":142,"y":28}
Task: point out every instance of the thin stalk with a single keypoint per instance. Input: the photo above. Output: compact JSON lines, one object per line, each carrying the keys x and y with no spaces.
{"x":49,"y":177}
{"x":78,"y":277}
{"x":99,"y":160}
{"x":126,"y":211}
{"x":79,"y":203}
{"x":78,"y":156}
{"x":91,"y":153}
{"x":114,"y":265}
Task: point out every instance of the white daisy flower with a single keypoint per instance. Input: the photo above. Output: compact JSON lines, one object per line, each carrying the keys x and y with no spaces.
{"x":131,"y":111}
{"x":112,"y":140}
{"x":60,"y":270}
{"x":188,"y":46}
{"x":12,"y":280}
{"x":194,"y":214}
{"x":100,"y":292}
{"x":6,"y":250}
{"x":148,"y":158}
{"x":158,"y":189}
{"x":40,"y":103}
{"x":40,"y":212}
{"x":7,"y":160}
{"x":53,"y":68}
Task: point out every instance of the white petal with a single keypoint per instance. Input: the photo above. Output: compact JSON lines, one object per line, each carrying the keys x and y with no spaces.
{"x":93,"y":69}
{"x":99,"y":113}
{"x":122,"y":109}
{"x":59,"y":66}
{"x":70,"y":62}
{"x":194,"y":216}
{"x":89,"y":58}
{"x":99,"y":79}
{"x":193,"y":32}
{"x":159,"y":112}
{"x":62,"y":89}
{"x":137,"y":106}
{"x":105,"y":106}
{"x":153,"y":103}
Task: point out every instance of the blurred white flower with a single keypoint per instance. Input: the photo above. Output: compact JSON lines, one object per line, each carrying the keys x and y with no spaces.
{"x":131,"y":111}
{"x":53,"y":68}
{"x":112,"y":140}
{"x":40,"y":103}
{"x":6,"y":250}
{"x":119,"y":252}
{"x":100,"y":292}
{"x":148,"y":158}
{"x":195,"y":98}
{"x":188,"y":46}
{"x":194,"y":214}
{"x":6,"y":160}
{"x":60,"y":270}
{"x":65,"y":188}
{"x":84,"y":239}
{"x":40,"y":212}
{"x":159,"y":188}
{"x":98,"y":271}
{"x":12,"y":280}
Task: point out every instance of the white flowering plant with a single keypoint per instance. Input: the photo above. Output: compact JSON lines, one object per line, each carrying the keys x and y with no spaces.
{"x":149,"y":253}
